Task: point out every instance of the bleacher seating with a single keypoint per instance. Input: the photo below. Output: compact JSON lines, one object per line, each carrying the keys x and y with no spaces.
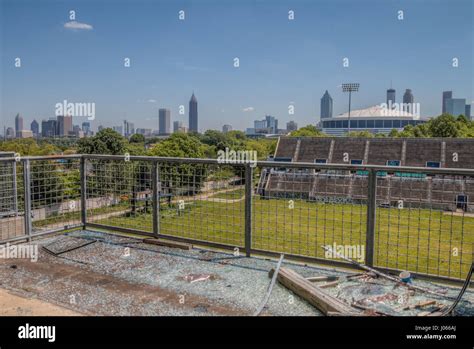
{"x":311,"y":149}
{"x":464,"y":148}
{"x":382,"y":150}
{"x":354,"y":147}
{"x":414,"y":189}
{"x":420,"y":151}
{"x":286,"y":147}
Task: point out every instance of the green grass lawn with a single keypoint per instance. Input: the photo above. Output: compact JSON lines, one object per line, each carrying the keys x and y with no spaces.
{"x":414,"y":239}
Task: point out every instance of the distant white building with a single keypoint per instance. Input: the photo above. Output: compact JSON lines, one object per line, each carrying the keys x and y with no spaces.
{"x":376,"y":119}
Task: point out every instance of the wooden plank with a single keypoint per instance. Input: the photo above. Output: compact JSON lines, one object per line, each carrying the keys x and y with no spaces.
{"x":311,"y":293}
{"x":168,"y":243}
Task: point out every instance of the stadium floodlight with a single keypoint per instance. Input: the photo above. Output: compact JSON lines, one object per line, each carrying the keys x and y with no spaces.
{"x":350,"y":87}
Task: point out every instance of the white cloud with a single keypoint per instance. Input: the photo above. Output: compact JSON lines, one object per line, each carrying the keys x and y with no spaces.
{"x":151,"y":100}
{"x":73,"y":25}
{"x":248,"y":109}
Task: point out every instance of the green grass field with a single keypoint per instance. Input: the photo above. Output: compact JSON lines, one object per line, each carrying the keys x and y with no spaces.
{"x":420,"y":240}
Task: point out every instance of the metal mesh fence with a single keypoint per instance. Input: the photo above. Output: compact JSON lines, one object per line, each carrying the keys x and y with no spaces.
{"x":203,"y":202}
{"x":298,"y":210}
{"x":119,"y":193}
{"x":425,"y":224}
{"x":11,"y":204}
{"x":397,"y":218}
{"x":55,"y":194}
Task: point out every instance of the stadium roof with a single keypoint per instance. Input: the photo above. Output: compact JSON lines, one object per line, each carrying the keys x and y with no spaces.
{"x":378,"y":111}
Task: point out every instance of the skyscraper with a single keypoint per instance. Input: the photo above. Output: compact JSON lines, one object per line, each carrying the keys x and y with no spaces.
{"x":34,"y":127}
{"x":193,"y":114}
{"x":165,"y":121}
{"x":86,"y":127}
{"x":446,"y":95}
{"x":128,"y":128}
{"x":291,"y":126}
{"x":467,"y":112}
{"x":272,"y":123}
{"x":326,"y":106}
{"x":177,"y":126}
{"x":64,"y":125}
{"x":456,"y":106}
{"x":408,"y":101}
{"x":49,"y":128}
{"x":226,"y":128}
{"x":390,"y":96}
{"x":18,"y":124}
{"x":408,"y":96}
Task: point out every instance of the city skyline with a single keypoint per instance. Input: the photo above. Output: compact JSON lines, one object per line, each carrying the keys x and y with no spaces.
{"x":284,"y":63}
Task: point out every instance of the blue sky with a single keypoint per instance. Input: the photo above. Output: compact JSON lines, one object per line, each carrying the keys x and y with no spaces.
{"x":281,"y":61}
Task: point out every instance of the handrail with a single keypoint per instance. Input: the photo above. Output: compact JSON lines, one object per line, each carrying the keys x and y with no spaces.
{"x":265,"y":163}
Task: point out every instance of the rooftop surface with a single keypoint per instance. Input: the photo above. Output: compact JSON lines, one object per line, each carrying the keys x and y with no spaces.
{"x":119,"y":275}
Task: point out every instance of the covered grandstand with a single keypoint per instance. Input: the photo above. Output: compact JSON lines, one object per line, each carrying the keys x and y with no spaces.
{"x":443,"y":192}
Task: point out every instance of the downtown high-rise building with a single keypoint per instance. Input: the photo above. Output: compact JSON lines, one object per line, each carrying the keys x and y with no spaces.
{"x":456,"y":106}
{"x":226,"y":128}
{"x":49,"y":128}
{"x":64,"y":125}
{"x":408,"y":101}
{"x":193,"y":114}
{"x":467,"y":111}
{"x":408,"y":97}
{"x":18,"y":124}
{"x":291,"y":126}
{"x":390,"y":96}
{"x":164,"y":116}
{"x":128,"y":128}
{"x":326,"y":106}
{"x":34,"y":127}
{"x":446,"y":95}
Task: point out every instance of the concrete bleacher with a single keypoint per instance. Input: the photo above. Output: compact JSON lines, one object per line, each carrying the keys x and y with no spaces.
{"x":421,"y":150}
{"x":382,"y":150}
{"x":377,"y":151}
{"x":354,"y":147}
{"x":286,"y":147}
{"x":435,"y":191}
{"x":310,"y":150}
{"x":461,"y":150}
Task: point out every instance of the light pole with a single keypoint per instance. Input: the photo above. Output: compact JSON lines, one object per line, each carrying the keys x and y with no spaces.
{"x":350,"y":87}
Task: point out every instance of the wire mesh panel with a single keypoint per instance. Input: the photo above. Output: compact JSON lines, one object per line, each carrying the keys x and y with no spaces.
{"x":12,"y":224}
{"x":119,"y":193}
{"x":298,"y":210}
{"x":55,"y":194}
{"x":425,"y":223}
{"x":203,"y":202}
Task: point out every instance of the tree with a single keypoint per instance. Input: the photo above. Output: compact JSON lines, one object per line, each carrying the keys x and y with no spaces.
{"x":307,"y":131}
{"x":360,"y":134}
{"x":444,"y":126}
{"x":179,"y":145}
{"x":137,"y":138}
{"x":106,"y":141}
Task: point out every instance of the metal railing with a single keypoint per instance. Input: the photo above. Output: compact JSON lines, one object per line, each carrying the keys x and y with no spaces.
{"x":393,"y":218}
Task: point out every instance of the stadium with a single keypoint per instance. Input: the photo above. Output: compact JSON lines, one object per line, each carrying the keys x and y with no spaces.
{"x":375,"y":119}
{"x":450,"y":192}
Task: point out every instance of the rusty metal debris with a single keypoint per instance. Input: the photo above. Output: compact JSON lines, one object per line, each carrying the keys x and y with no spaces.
{"x":66,"y":245}
{"x":270,"y":288}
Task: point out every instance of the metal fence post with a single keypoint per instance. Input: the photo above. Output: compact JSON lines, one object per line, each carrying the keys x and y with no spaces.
{"x":155,"y":185}
{"x":248,"y":208}
{"x":83,"y":192}
{"x":27,"y":198}
{"x":371,"y":211}
{"x":15,"y":188}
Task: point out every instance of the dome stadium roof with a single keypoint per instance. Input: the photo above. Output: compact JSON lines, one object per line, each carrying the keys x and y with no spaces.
{"x":377,"y":111}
